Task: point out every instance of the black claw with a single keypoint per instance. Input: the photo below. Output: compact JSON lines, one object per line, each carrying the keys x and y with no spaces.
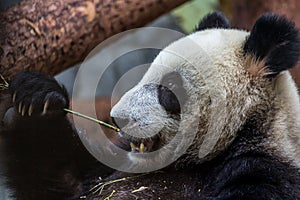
{"x":37,"y":94}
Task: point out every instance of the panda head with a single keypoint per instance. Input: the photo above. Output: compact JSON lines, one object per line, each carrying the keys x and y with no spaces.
{"x":201,"y":89}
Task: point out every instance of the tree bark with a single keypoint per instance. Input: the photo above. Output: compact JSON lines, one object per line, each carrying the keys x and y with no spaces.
{"x":243,"y":14}
{"x":53,"y":35}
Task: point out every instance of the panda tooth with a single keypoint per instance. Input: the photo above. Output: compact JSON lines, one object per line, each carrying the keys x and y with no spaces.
{"x":132,"y":146}
{"x":142,"y":147}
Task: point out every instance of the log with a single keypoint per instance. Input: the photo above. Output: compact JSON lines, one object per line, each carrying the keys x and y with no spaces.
{"x":50,"y":36}
{"x":243,"y":14}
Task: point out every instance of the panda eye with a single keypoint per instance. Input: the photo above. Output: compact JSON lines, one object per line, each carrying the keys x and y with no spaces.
{"x":171,"y":93}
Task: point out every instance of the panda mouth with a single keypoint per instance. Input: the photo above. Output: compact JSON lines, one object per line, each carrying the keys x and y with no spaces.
{"x":141,"y":147}
{"x":138,"y":145}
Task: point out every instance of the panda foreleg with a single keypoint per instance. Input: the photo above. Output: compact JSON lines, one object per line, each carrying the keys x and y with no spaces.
{"x":43,"y":155}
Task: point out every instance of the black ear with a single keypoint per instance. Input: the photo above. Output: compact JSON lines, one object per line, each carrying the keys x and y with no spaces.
{"x":213,"y":20}
{"x":275,"y":40}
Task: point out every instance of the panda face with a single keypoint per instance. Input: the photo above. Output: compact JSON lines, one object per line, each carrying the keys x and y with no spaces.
{"x":201,"y":89}
{"x":183,"y":81}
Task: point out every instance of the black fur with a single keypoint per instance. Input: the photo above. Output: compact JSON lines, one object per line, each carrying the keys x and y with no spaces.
{"x":247,"y":171}
{"x":213,"y":20}
{"x":171,"y":93}
{"x":275,"y":40}
{"x":36,"y":88}
{"x":44,"y":156}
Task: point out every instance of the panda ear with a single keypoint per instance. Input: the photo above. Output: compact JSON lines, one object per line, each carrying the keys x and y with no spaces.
{"x":275,"y":41}
{"x":213,"y":20}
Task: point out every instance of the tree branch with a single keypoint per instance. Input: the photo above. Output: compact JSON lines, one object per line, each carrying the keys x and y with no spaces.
{"x":53,"y":35}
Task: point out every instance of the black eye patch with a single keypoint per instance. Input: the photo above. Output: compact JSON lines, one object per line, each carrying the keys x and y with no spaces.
{"x":171,"y":93}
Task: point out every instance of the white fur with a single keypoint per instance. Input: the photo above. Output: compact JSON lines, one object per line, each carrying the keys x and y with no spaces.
{"x":212,"y":66}
{"x":286,"y":127}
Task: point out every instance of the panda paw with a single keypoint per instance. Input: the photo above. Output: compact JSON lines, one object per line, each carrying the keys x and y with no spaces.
{"x":34,"y":93}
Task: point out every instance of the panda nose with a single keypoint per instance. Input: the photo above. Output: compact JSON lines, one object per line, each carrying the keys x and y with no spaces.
{"x":120,"y":122}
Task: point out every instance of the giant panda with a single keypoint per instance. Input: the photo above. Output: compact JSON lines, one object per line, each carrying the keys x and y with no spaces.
{"x":219,"y":107}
